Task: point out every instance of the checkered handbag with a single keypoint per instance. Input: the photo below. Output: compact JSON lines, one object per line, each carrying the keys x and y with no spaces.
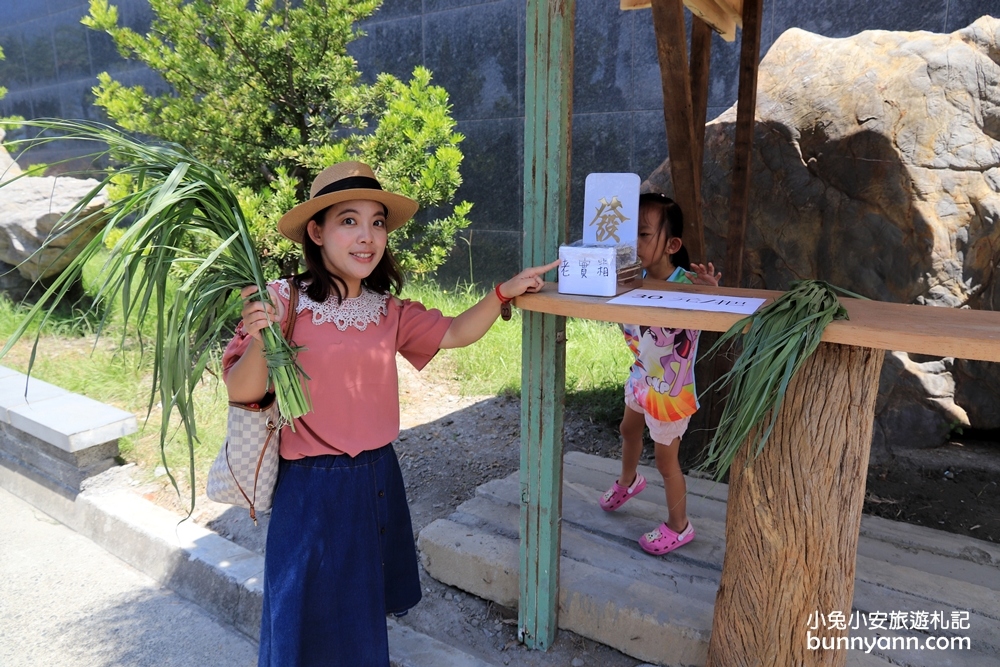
{"x":245,"y":471}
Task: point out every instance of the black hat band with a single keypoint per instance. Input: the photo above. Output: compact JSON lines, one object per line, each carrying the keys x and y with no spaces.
{"x":349,"y":183}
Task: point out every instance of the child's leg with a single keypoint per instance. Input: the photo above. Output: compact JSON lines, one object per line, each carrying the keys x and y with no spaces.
{"x":631,"y":429}
{"x":668,"y":463}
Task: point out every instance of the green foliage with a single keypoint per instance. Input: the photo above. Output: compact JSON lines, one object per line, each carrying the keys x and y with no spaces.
{"x":266,"y":92}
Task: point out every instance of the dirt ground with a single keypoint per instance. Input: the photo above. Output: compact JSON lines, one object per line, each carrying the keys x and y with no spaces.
{"x":450,"y":444}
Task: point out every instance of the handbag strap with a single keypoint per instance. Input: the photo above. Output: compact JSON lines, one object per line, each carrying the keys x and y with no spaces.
{"x":293,"y":304}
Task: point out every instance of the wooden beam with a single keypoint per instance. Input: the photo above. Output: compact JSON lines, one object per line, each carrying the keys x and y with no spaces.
{"x":547,"y":134}
{"x":678,"y":113}
{"x":746,"y":110}
{"x":732,"y":8}
{"x":940,"y":332}
{"x":701,"y":58}
{"x":719,"y":15}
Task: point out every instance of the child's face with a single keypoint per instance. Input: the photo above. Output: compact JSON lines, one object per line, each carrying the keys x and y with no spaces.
{"x":352,"y":239}
{"x":655,"y":243}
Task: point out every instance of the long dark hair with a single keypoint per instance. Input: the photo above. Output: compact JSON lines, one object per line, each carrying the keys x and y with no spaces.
{"x":318,"y":283}
{"x":671,"y":216}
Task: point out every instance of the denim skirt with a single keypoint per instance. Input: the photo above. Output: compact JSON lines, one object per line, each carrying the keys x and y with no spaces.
{"x":340,"y":556}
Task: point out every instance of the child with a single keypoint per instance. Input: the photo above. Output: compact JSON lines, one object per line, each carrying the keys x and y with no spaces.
{"x":660,"y":389}
{"x":340,"y":552}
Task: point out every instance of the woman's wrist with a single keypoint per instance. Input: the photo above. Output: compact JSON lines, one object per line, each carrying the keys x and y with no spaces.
{"x":505,"y":312}
{"x":500,"y":295}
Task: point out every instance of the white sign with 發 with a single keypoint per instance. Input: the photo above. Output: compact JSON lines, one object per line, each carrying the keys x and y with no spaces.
{"x":611,"y":211}
{"x":716,"y":303}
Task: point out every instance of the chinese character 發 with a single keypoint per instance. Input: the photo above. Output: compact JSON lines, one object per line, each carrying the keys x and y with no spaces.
{"x":607,"y":219}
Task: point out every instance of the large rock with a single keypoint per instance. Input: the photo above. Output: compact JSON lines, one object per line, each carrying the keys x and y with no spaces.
{"x":876,"y":166}
{"x":30,"y":208}
{"x":8,"y":167}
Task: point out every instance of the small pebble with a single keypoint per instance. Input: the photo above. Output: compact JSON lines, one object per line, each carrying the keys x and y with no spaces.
{"x":447,"y":597}
{"x":577,"y":662}
{"x":474,"y":622}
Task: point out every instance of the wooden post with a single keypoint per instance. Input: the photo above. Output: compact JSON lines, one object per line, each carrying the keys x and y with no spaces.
{"x":794,"y":515}
{"x":701,"y":58}
{"x":746,"y":110}
{"x":678,"y":113}
{"x":547,"y":132}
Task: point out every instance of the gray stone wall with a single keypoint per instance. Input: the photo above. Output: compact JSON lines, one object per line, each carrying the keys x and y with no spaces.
{"x":52,"y":62}
{"x":476,"y":51}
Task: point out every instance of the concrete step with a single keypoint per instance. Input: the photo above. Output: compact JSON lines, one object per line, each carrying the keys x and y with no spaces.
{"x":660,"y":609}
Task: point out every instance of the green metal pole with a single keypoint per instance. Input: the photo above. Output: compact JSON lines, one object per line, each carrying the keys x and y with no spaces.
{"x":547,"y":131}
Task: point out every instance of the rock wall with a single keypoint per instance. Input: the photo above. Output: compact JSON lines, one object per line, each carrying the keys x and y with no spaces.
{"x":876,"y":166}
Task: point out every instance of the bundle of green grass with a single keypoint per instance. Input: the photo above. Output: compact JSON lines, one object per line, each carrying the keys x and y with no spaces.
{"x":164,"y":197}
{"x":775,"y":341}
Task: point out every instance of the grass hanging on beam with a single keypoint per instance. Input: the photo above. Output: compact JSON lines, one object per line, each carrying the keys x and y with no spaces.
{"x":169,"y":195}
{"x":776,"y":341}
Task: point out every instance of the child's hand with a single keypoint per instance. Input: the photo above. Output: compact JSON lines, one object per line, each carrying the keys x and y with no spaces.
{"x":529,"y":280}
{"x":257,"y":314}
{"x":704,"y":275}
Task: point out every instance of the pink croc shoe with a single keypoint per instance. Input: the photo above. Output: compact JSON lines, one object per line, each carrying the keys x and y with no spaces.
{"x":616,"y":496}
{"x":663,"y":540}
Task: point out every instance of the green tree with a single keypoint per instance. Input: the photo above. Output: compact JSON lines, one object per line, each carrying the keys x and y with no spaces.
{"x":267,"y":92}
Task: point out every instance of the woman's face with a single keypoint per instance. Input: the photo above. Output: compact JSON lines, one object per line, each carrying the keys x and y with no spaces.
{"x":352,"y":240}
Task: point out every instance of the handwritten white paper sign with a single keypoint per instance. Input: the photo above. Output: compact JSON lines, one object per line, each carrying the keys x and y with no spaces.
{"x":716,"y":303}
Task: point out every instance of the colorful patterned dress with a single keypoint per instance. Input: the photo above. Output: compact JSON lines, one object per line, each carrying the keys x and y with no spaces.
{"x":661,"y":379}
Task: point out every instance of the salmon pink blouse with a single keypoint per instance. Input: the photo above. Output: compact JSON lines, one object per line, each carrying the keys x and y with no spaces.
{"x":350,"y":357}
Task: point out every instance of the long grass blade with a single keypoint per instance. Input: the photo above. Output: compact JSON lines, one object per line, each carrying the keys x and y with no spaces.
{"x":171,"y":195}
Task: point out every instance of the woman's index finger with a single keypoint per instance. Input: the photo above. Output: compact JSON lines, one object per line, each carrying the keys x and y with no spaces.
{"x":539,"y":270}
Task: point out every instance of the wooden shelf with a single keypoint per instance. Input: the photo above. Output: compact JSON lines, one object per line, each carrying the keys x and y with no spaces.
{"x":941,"y":332}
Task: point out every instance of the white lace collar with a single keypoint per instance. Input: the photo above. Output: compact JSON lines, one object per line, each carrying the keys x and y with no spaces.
{"x":357,"y":312}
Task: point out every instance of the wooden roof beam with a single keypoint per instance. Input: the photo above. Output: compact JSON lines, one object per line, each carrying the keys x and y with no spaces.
{"x":721,"y":15}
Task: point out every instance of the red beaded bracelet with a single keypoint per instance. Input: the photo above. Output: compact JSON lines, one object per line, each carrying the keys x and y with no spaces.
{"x":504,"y":304}
{"x":500,"y":296}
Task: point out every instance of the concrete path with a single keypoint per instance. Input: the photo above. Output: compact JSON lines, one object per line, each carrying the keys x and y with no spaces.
{"x":65,"y":601}
{"x":69,"y":594}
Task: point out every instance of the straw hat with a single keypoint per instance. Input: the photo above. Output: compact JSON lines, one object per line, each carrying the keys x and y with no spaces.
{"x":345,"y":181}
